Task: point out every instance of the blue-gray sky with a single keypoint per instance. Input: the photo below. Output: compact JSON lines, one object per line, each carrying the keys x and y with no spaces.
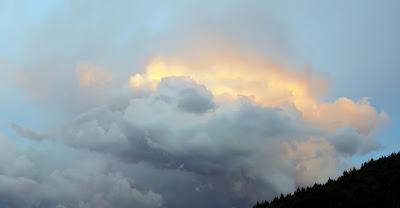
{"x":257,"y":98}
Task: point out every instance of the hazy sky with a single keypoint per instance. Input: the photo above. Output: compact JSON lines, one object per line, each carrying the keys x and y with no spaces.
{"x":191,"y":103}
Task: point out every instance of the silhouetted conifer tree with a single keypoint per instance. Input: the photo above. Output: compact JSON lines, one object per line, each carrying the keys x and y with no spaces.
{"x":375,"y":184}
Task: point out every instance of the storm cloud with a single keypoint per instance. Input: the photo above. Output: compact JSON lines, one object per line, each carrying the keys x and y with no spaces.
{"x":240,"y":150}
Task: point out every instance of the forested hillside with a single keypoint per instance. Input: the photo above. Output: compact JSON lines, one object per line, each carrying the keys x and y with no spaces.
{"x":375,"y":184}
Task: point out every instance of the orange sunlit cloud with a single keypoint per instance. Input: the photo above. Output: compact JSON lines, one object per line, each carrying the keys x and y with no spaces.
{"x":314,"y":161}
{"x":268,"y":85}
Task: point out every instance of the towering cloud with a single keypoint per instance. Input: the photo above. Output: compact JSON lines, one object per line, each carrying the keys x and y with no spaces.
{"x":245,"y":146}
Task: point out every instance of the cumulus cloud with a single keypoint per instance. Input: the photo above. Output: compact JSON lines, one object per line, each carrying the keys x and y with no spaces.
{"x":192,"y":97}
{"x":269,"y":85}
{"x":234,"y":147}
{"x":241,"y":149}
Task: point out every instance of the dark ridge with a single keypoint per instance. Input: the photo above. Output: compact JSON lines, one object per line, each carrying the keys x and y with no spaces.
{"x":375,"y":184}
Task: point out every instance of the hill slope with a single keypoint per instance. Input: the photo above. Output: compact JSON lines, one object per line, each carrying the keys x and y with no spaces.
{"x":375,"y":184}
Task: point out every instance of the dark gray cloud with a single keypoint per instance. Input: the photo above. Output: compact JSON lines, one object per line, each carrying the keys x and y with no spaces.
{"x":348,"y":141}
{"x":89,"y":182}
{"x":192,"y":97}
{"x":231,"y":154}
{"x":192,"y":101}
{"x":234,"y":155}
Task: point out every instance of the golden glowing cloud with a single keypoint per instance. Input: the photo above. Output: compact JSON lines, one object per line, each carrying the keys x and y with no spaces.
{"x":267,"y":85}
{"x":345,"y":112}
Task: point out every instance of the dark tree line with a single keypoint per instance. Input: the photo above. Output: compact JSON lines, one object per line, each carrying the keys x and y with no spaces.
{"x":375,"y":184}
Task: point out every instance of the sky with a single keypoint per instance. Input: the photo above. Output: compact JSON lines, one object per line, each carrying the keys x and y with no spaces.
{"x":191,"y":103}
